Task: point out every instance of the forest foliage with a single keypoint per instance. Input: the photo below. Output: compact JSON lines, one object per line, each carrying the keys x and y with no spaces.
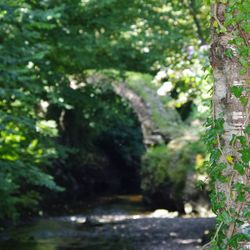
{"x":45,"y":44}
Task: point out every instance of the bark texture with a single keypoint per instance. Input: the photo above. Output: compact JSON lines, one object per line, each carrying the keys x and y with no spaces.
{"x":226,"y":73}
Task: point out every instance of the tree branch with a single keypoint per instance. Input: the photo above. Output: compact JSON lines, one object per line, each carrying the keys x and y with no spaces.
{"x":193,"y":13}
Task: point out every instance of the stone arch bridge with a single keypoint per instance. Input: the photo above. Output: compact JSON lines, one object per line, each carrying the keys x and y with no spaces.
{"x":159,"y":124}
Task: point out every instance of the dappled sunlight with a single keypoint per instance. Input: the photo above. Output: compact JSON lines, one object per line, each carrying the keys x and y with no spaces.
{"x":95,"y":219}
{"x":189,"y":243}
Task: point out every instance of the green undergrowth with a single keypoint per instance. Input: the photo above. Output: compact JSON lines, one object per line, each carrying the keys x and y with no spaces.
{"x":171,"y":164}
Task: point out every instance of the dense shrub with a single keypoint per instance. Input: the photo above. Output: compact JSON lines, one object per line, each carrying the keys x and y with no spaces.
{"x":166,"y":169}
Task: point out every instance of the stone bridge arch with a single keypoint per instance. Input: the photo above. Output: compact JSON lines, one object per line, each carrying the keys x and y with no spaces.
{"x":159,"y":124}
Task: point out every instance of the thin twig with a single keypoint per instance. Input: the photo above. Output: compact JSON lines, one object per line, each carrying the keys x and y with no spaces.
{"x":215,"y":236}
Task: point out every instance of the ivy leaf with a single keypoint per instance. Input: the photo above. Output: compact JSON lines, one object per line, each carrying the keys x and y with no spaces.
{"x":244,"y":62}
{"x":243,"y":100}
{"x":235,"y":239}
{"x":239,"y":186}
{"x":230,"y":159}
{"x":226,"y":218}
{"x":229,"y":53}
{"x":240,"y":197}
{"x":243,"y":71}
{"x":240,"y":168}
{"x":215,"y":24}
{"x":236,"y":91}
{"x":219,"y":126}
{"x":246,"y":27}
{"x":247,"y":129}
{"x":215,"y":155}
{"x":243,"y":140}
{"x":246,"y":214}
{"x":245,"y":153}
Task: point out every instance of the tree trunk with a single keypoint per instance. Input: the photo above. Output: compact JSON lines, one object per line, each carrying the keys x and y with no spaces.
{"x":235,"y":115}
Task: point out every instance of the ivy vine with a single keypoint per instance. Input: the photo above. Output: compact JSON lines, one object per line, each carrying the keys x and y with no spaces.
{"x":232,"y":218}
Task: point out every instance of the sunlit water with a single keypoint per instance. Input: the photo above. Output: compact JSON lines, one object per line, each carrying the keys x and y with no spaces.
{"x":114,"y":223}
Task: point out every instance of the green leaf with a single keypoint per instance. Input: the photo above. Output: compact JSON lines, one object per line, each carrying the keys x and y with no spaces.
{"x":243,"y":71}
{"x":243,"y":100}
{"x":240,"y":197}
{"x":245,"y":155}
{"x":236,"y":91}
{"x":235,"y":239}
{"x":246,"y":27}
{"x":247,"y":129}
{"x":240,"y":168}
{"x":229,"y":53}
{"x":226,"y":218}
{"x":243,"y":140}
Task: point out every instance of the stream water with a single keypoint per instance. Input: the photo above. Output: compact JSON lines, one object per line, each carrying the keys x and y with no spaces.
{"x":113,"y":223}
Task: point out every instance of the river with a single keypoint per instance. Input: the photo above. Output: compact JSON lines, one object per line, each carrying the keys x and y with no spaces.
{"x":112,"y":223}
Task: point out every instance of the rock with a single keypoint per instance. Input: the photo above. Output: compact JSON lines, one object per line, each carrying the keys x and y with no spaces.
{"x":91,"y":221}
{"x":163,"y":213}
